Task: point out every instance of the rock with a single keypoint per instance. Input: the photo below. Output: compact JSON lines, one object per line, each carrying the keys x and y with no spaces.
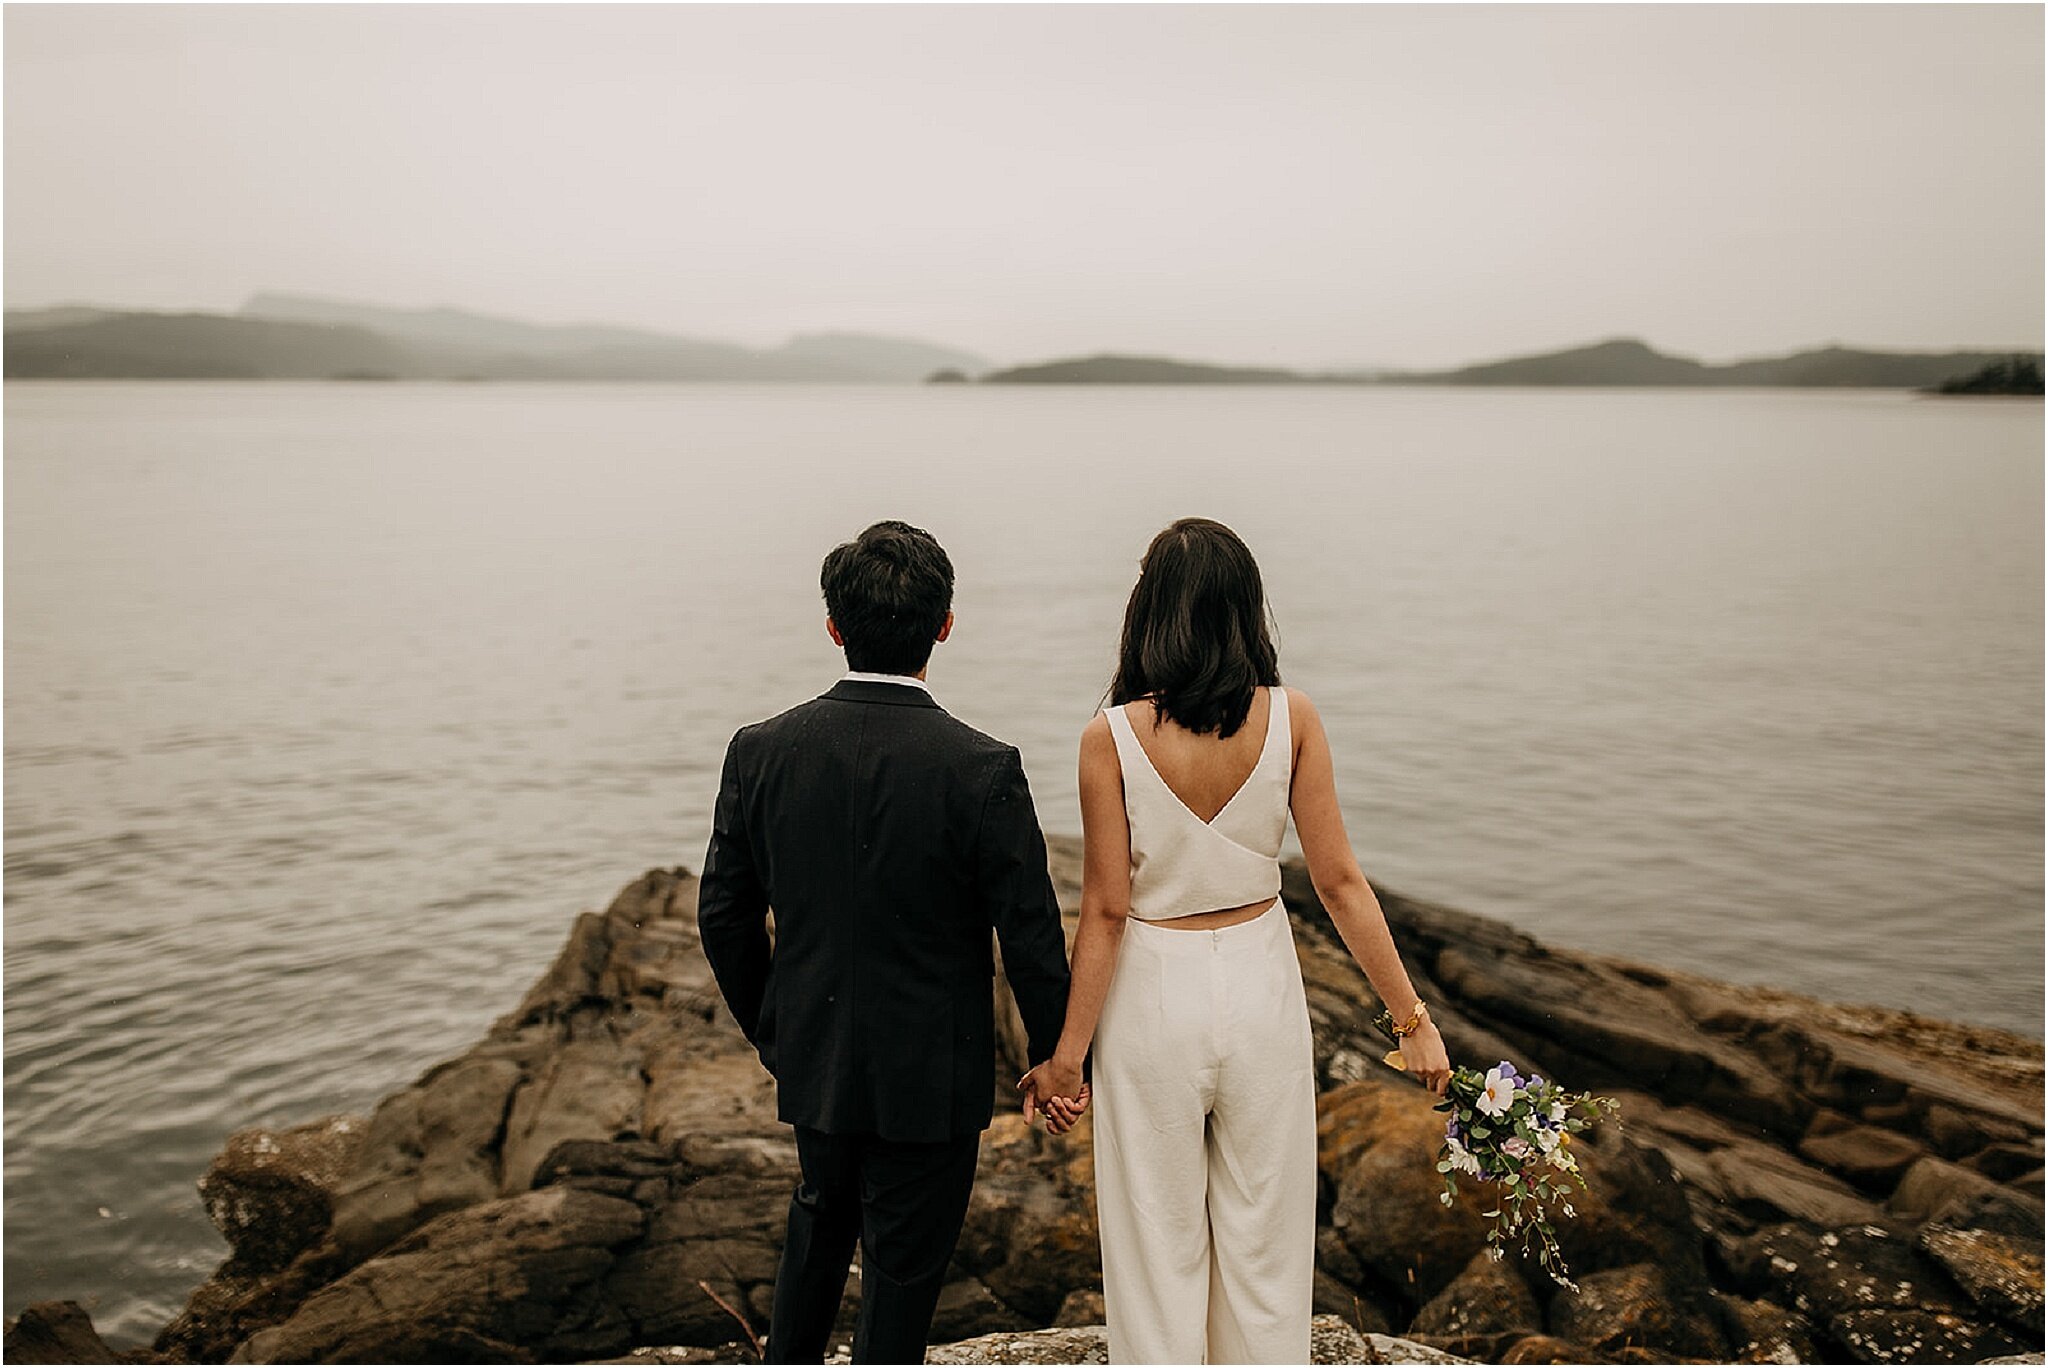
{"x":1855,"y":1268}
{"x":1377,"y":1142}
{"x":1083,"y":1306}
{"x":1480,"y":1347}
{"x":2001,"y":1274}
{"x":55,"y":1332}
{"x":1883,"y":1335}
{"x":606,"y":1159}
{"x":1869,"y":1156}
{"x":1330,"y":1341}
{"x":1956,"y":1131}
{"x":1347,"y":1304}
{"x":1030,"y":1233}
{"x":1393,"y":1349}
{"x":1761,"y":1331}
{"x":2007,"y":1161}
{"x":270,"y":1193}
{"x":1069,"y":1344}
{"x":1487,"y":1298}
{"x":1768,"y":1184}
{"x":515,"y":1280}
{"x":1636,"y":1305}
{"x":1963,"y":1199}
{"x":1545,"y":1349}
{"x":967,"y":1308}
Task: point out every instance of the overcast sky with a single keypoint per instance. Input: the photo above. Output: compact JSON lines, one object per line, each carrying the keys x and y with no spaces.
{"x":1412,"y":185}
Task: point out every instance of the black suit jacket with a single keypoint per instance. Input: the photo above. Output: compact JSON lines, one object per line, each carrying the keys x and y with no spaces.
{"x":889,"y":838}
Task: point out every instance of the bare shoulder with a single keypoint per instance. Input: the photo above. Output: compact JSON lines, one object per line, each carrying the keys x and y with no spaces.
{"x":1302,"y":717}
{"x":1096,"y":740}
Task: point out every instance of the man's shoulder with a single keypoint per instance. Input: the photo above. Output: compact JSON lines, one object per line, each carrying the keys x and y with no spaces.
{"x":934,"y":724}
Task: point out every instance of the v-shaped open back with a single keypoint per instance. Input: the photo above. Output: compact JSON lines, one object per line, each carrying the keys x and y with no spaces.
{"x":1180,"y":864}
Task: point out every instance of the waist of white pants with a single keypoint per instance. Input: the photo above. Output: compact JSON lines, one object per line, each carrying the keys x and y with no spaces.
{"x":1167,"y":938}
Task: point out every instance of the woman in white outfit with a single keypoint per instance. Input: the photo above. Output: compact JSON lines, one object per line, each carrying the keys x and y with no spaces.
{"x":1185,"y":980}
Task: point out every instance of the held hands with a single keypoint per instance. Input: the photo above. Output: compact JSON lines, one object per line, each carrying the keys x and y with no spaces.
{"x":1424,"y":1056}
{"x":1054,"y":1087}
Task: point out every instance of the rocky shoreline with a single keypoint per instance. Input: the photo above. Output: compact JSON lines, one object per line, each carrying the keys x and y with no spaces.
{"x":601,"y":1177}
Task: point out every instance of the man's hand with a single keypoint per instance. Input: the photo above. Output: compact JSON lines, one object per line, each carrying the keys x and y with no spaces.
{"x":1055,"y":1088}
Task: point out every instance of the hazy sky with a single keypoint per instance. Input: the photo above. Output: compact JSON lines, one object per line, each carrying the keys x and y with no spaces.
{"x":1298,"y":184}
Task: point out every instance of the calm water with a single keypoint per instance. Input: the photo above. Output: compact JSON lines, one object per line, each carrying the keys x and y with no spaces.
{"x":327,"y":706}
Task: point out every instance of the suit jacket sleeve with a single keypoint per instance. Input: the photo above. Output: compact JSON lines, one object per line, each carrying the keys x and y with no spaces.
{"x":1017,"y":892}
{"x":732,"y":904}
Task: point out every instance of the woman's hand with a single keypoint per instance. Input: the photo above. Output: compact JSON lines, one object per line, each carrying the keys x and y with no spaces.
{"x":1423,"y":1054}
{"x":1054,"y":1081}
{"x":1063,"y":1114}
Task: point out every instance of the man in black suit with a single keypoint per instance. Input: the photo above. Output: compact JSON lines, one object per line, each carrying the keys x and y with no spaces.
{"x":889,"y":838}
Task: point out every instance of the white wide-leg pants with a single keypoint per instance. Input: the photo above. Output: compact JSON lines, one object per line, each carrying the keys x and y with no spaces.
{"x":1205,"y":1146}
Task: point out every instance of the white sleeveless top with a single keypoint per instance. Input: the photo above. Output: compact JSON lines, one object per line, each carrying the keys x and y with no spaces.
{"x":1180,"y":864}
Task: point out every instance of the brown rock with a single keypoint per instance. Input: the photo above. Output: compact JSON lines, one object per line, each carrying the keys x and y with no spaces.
{"x":1951,"y":1195}
{"x":1766,"y":1183}
{"x":1546,"y":1349}
{"x":1030,"y":1233}
{"x":1072,"y":1344}
{"x":2008,"y":1160}
{"x":1487,"y":1298}
{"x":55,"y":1332}
{"x":1638,"y":1306}
{"x":1869,"y":1156}
{"x":1377,"y":1141}
{"x":511,"y":1281}
{"x":1355,"y":1309}
{"x":1884,"y":1335}
{"x":1083,"y":1306}
{"x":270,"y":1193}
{"x":1762,"y":1331}
{"x":2001,"y":1274}
{"x":1855,"y":1268}
{"x":1957,"y":1130}
{"x":966,"y":1308}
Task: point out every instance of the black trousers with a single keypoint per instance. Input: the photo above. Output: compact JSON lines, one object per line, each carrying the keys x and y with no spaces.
{"x":903,"y":1203}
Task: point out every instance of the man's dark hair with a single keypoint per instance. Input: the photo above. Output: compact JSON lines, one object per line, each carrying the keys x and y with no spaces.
{"x":889,"y":591}
{"x":1196,"y":633}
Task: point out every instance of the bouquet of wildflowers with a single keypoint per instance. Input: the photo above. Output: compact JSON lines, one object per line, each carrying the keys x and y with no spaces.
{"x":1514,"y":1132}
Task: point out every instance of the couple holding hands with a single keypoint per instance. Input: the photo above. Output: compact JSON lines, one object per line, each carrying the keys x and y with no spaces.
{"x":890,"y":839}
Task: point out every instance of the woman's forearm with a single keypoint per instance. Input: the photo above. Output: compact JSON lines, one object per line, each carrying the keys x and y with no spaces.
{"x":1095,"y":947}
{"x":1356,"y":913}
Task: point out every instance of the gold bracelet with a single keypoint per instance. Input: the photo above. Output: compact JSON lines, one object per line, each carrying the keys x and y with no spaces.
{"x":1414,"y":1022}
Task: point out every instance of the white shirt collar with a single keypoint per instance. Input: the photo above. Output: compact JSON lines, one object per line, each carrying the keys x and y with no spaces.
{"x":868,"y":677}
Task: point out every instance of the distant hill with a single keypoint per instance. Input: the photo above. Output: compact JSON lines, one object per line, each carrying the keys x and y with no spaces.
{"x":194,"y":346}
{"x":62,"y":315}
{"x":1621,"y":362}
{"x":1140,"y":370}
{"x":485,"y":344}
{"x":1632,"y":362}
{"x":303,"y":337}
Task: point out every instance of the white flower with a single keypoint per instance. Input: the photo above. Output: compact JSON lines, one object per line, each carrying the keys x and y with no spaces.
{"x":1515,"y":1147}
{"x":1547,"y":1140}
{"x":1499,"y":1094}
{"x":1557,"y":1113}
{"x":1463,"y":1159}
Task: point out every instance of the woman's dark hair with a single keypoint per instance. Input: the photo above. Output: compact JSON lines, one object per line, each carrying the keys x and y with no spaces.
{"x":888,"y":591}
{"x":1197,"y":637}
